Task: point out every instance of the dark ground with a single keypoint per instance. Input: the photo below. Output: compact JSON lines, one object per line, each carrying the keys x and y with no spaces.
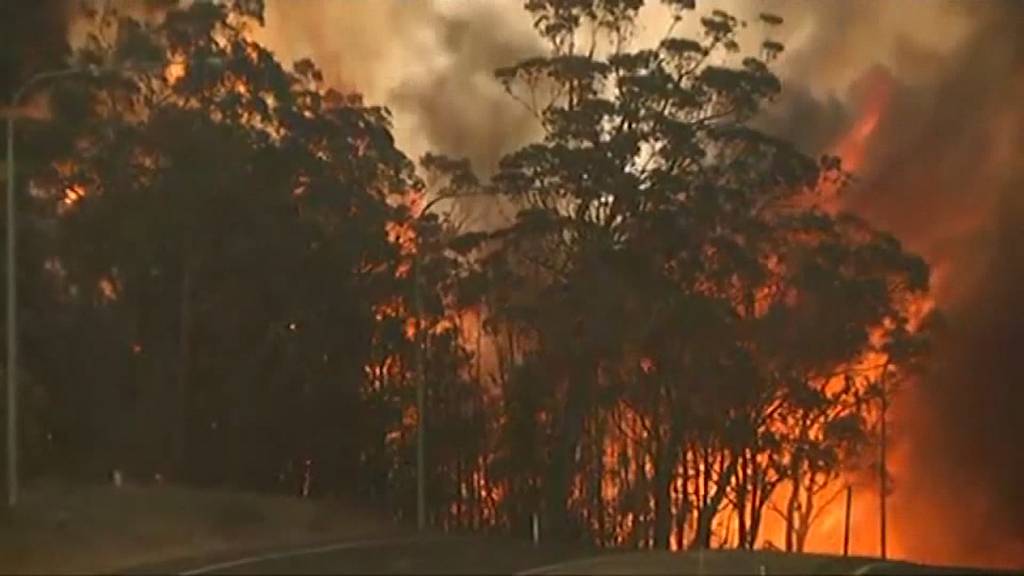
{"x":395,"y":555}
{"x":480,"y":555}
{"x":62,"y":529}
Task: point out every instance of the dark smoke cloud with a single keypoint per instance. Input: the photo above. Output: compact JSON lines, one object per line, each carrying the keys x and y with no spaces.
{"x":973,"y":402}
{"x":461,"y":109}
{"x":963,"y":173}
{"x":34,"y":37}
{"x":431,"y":62}
{"x":944,"y":173}
{"x":813,"y":123}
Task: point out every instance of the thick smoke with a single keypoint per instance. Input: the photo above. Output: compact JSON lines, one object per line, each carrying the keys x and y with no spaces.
{"x":946,"y":175}
{"x":943,"y":172}
{"x":34,"y":39}
{"x":460,"y":107}
{"x":431,"y":62}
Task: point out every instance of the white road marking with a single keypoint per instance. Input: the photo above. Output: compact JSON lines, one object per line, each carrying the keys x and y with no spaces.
{"x":866,"y":569}
{"x":293,"y":553}
{"x":861,"y":571}
{"x":557,"y":565}
{"x":577,"y":562}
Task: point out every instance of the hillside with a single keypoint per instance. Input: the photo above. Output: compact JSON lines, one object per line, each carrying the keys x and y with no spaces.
{"x":59,"y":528}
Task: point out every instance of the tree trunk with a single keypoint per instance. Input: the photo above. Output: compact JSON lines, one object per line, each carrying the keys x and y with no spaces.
{"x":791,"y":508}
{"x":707,"y":513}
{"x":662,"y":499}
{"x":742,"y":489}
{"x":665,"y":465}
{"x":806,"y":513}
{"x":682,"y":512}
{"x":705,"y":493}
{"x":758,"y":500}
{"x":562,"y":466}
{"x":755,"y":524}
{"x":598,"y":479}
{"x":182,"y":390}
{"x":801,"y":533}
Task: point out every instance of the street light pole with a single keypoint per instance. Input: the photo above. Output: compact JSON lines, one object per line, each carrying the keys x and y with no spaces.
{"x":882,"y":470}
{"x":12,"y":272}
{"x":421,"y":385}
{"x":12,"y":286}
{"x":421,"y":381}
{"x":12,"y":339}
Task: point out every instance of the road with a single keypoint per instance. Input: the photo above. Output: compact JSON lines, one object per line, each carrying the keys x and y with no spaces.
{"x":478,"y":555}
{"x":400,"y":555}
{"x":741,"y":562}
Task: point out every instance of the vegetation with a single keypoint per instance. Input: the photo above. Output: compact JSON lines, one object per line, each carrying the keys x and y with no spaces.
{"x":673,"y":337}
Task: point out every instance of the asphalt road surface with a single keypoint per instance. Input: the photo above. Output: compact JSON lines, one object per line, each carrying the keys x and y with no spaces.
{"x":399,"y":555}
{"x":478,"y":555}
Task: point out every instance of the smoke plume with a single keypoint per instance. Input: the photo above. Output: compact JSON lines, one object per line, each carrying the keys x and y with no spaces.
{"x":942,"y":171}
{"x":34,"y":39}
{"x":947,"y":177}
{"x":430,"y":62}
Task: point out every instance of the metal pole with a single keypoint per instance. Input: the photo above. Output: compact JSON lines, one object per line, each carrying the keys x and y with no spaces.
{"x":883,"y":480}
{"x":846,"y":528}
{"x":12,"y":324}
{"x":12,"y":300}
{"x":421,"y":382}
{"x":12,"y":288}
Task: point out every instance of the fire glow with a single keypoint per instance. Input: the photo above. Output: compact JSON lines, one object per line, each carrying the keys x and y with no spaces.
{"x":854,"y":146}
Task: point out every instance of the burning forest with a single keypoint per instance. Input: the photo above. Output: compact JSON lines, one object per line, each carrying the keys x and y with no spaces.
{"x":647,"y":275}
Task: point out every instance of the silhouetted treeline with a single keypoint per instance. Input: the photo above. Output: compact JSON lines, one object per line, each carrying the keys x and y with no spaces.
{"x":672,"y":338}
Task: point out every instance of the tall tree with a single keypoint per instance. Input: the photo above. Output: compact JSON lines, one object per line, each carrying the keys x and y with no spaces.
{"x":655,"y":230}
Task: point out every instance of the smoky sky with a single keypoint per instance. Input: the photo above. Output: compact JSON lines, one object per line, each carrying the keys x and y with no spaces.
{"x":943,"y":171}
{"x":460,"y":107}
{"x":34,"y":39}
{"x":431,"y":62}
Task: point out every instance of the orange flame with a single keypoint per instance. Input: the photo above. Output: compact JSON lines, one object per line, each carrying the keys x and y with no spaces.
{"x":175,"y":71}
{"x":853,"y":146}
{"x":73,"y":194}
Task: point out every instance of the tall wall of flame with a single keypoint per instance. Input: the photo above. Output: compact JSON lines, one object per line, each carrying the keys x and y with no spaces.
{"x":945,"y":172}
{"x":942,"y":169}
